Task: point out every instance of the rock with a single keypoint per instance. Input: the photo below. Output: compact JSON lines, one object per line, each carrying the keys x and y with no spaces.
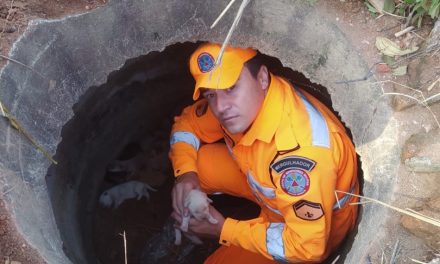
{"x":421,"y":152}
{"x":434,"y":203}
{"x":400,"y":103}
{"x":423,"y":230}
{"x":12,"y":262}
{"x":383,"y":68}
{"x":435,"y":261}
{"x":8,"y":29}
{"x":419,"y":78}
{"x":434,"y":37}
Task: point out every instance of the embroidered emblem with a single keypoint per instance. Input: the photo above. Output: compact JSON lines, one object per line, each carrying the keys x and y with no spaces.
{"x":307,"y":210}
{"x":201,"y":109}
{"x":206,"y":62}
{"x":293,"y":162}
{"x":295,"y":182}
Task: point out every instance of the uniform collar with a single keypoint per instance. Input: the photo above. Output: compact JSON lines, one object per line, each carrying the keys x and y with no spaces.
{"x":274,"y":118}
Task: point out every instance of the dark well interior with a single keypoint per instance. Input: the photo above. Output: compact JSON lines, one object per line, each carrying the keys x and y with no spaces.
{"x":131,"y":113}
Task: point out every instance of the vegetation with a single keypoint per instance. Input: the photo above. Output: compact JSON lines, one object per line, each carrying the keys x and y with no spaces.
{"x":413,"y":10}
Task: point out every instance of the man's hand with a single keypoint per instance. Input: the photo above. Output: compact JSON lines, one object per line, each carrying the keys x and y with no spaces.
{"x":184,"y":184}
{"x":203,"y":228}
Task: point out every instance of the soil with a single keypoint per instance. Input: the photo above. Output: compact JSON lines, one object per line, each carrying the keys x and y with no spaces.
{"x":351,"y":16}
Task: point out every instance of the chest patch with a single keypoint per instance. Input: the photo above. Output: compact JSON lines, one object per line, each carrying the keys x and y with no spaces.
{"x":307,"y":210}
{"x":295,"y":182}
{"x":293,"y":162}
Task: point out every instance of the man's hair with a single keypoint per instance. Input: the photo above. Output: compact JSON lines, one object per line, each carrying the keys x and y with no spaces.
{"x":255,"y":64}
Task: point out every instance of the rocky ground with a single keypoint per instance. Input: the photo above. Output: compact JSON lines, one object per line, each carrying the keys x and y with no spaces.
{"x":418,"y":181}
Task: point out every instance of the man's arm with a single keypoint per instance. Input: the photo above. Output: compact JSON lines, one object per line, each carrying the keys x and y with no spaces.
{"x":195,"y":126}
{"x":183,"y":185}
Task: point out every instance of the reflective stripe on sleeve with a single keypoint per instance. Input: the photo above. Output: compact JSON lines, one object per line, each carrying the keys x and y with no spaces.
{"x":266,"y":191}
{"x":320,"y":132}
{"x":274,"y":241}
{"x":186,"y":137}
{"x":343,"y":200}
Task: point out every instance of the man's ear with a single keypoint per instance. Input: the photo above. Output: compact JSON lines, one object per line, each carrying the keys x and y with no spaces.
{"x":263,"y":77}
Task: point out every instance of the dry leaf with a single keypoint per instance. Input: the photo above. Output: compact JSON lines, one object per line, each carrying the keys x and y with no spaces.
{"x":389,"y":6}
{"x":389,"y":48}
{"x":400,"y":71}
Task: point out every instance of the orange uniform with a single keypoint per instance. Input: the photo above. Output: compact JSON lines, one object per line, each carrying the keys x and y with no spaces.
{"x":290,"y":161}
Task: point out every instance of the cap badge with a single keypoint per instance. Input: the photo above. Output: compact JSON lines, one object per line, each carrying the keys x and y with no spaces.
{"x":206,"y":62}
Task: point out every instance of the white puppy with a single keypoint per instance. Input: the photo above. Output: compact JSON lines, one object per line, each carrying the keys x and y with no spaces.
{"x":116,"y":195}
{"x":197,"y":203}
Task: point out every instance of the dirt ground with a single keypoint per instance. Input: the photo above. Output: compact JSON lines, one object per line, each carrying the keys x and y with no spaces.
{"x":351,"y":16}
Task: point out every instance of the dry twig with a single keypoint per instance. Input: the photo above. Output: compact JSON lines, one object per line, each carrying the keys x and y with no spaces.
{"x":231,"y":30}
{"x":24,"y":65}
{"x":15,"y":124}
{"x":7,"y":191}
{"x":423,"y":102}
{"x":418,"y":216}
{"x":368,"y":75}
{"x":395,"y":254}
{"x":222,"y":14}
{"x":125,"y":247}
{"x":404,"y":31}
{"x":336,"y":259}
{"x":418,"y":261}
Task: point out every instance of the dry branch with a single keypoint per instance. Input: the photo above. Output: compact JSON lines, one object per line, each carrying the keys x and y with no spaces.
{"x":403,"y":32}
{"x":125,"y":247}
{"x":222,"y":14}
{"x":418,"y":216}
{"x":15,"y":124}
{"x":231,"y":30}
{"x":422,"y":102}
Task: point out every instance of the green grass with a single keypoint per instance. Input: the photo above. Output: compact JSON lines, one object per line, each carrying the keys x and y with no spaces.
{"x":414,"y":10}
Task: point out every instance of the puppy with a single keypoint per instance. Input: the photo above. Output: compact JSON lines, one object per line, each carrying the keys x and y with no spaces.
{"x":197,"y":203}
{"x":116,"y":195}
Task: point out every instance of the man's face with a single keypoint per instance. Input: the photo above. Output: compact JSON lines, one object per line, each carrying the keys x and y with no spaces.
{"x":237,"y":107}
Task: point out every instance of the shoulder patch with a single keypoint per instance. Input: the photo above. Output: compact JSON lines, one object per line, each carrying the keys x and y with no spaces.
{"x":293,"y":162}
{"x":307,"y":210}
{"x":201,"y":109}
{"x":295,"y":182}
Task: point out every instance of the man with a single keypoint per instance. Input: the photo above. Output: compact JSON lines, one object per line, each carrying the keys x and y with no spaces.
{"x":283,"y":150}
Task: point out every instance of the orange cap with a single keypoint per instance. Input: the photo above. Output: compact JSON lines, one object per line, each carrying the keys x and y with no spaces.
{"x":225,"y":75}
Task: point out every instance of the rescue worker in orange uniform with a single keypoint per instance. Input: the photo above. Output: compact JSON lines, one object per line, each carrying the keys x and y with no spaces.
{"x":283,"y":149}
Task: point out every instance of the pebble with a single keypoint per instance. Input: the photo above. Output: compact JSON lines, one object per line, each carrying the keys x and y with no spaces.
{"x":435,"y":261}
{"x":422,"y":164}
{"x":383,"y":68}
{"x":10,"y":30}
